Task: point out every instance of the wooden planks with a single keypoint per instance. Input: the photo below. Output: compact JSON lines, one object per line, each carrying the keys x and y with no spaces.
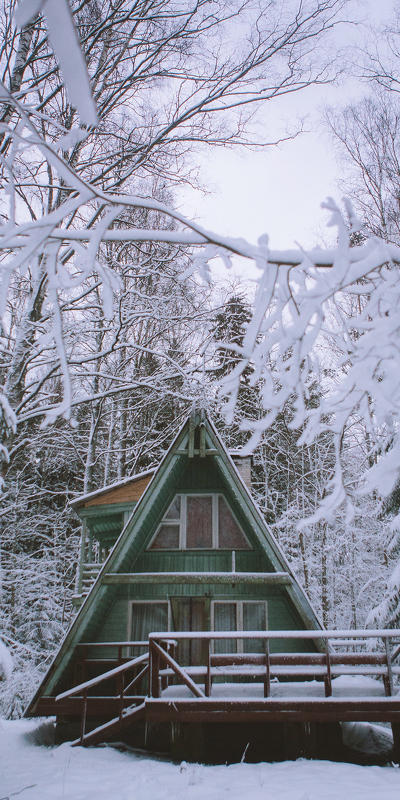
{"x":103,"y":732}
{"x":130,"y":492}
{"x":193,"y":578}
{"x":272,"y":710}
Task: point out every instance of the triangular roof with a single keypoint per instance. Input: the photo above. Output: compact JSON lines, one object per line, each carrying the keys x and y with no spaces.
{"x":130,"y":542}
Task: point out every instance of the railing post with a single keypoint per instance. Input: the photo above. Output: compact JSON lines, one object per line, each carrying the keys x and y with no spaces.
{"x":83,"y":719}
{"x":84,"y":657}
{"x":154,"y":672}
{"x":267,"y":678}
{"x":207,"y":687}
{"x":121,"y":695}
{"x":328,"y":678}
{"x":173,"y":653}
{"x":389,"y":666}
{"x":150,"y":666}
{"x":166,"y":679}
{"x":163,"y":682}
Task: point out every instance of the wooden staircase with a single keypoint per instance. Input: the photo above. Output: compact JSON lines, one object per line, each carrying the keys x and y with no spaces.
{"x":103,"y":732}
{"x":126,"y":708}
{"x":126,"y":716}
{"x":89,"y":574}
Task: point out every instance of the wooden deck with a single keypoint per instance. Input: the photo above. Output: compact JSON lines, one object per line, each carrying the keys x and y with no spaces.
{"x":345,"y":680}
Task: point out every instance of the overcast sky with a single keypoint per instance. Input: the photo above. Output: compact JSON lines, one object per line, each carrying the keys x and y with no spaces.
{"x":279,"y":191}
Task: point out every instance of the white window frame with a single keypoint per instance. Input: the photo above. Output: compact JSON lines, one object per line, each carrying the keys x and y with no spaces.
{"x":239,"y":617}
{"x":182,"y":523}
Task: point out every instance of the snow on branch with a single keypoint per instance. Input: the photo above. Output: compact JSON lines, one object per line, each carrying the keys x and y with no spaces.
{"x":6,"y":662}
{"x":329,"y":318}
{"x":348,"y":295}
{"x":63,"y":37}
{"x":337,"y":328}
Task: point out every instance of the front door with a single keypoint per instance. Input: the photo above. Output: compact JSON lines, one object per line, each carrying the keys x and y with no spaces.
{"x":191,"y":614}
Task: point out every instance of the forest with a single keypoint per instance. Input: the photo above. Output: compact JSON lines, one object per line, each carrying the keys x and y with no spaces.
{"x":112,"y":326}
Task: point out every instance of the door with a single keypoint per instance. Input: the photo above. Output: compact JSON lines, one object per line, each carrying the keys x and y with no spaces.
{"x":191,"y":614}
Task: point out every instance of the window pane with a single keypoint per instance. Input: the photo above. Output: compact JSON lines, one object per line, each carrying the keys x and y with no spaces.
{"x":199,"y":522}
{"x":254,"y":619}
{"x":147,"y":617}
{"x":167,"y":538}
{"x":225,"y":620}
{"x":229,"y":534}
{"x":174,"y":511}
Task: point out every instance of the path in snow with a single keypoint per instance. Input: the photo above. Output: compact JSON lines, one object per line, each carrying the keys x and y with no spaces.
{"x":28,"y":772}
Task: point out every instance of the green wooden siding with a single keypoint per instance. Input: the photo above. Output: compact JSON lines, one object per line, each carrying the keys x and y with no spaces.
{"x":104,"y":614}
{"x":196,"y":475}
{"x":105,"y":528}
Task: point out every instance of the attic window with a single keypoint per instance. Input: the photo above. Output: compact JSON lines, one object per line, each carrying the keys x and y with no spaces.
{"x":199,"y":522}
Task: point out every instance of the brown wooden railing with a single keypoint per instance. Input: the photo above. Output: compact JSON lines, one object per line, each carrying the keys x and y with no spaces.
{"x":119,"y":674}
{"x":123,"y":665}
{"x":160,"y":662}
{"x":91,"y":656}
{"x":324,"y":665}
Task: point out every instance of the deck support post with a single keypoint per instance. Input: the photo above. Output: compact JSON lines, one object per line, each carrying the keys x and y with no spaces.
{"x":396,"y":742}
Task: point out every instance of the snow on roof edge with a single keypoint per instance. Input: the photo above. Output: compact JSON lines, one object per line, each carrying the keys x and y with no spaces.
{"x":132,"y":478}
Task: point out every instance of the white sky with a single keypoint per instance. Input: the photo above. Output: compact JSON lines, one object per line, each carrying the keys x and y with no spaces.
{"x":279,"y":190}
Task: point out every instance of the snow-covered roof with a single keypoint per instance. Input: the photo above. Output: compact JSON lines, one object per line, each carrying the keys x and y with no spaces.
{"x":83,"y":498}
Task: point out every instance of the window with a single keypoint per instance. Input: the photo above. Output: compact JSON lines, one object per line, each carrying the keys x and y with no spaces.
{"x":147,"y":616}
{"x":199,"y":522}
{"x":239,"y":615}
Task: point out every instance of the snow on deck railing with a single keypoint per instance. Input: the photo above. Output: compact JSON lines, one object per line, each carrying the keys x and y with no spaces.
{"x":316,"y":634}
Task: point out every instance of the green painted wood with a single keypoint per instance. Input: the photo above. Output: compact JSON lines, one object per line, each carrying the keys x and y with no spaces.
{"x":115,"y":625}
{"x":104,"y":614}
{"x":202,"y":560}
{"x":198,"y":578}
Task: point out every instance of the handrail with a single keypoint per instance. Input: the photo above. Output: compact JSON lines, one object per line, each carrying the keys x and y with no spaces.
{"x":177,"y":670}
{"x":395,"y":652}
{"x":162,"y":645}
{"x":83,"y":687}
{"x":113,"y":644}
{"x":315,"y":634}
{"x":332,"y":660}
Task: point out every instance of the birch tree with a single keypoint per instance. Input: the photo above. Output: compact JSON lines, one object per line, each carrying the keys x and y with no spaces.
{"x":164,"y":77}
{"x":80,"y":176}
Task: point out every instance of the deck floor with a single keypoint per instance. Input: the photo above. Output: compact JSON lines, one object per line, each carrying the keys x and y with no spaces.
{"x":346,"y":686}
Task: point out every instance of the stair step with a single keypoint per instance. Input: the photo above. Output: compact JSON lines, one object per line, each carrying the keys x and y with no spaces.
{"x":103,"y":732}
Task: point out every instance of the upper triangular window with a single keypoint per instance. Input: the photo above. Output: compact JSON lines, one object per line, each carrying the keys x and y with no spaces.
{"x":199,"y":522}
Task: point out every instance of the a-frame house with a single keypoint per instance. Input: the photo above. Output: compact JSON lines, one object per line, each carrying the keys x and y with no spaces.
{"x":173,"y":552}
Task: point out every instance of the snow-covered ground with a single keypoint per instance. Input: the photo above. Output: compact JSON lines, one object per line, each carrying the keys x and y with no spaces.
{"x":30,"y":772}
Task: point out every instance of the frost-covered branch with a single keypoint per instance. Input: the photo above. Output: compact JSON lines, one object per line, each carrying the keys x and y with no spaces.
{"x":302,"y":306}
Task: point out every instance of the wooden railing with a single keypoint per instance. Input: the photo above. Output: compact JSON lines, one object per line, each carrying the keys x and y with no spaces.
{"x":91,"y":655}
{"x":332,"y":660}
{"x":118,"y":673}
{"x":324,"y":665}
{"x":124,"y":665}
